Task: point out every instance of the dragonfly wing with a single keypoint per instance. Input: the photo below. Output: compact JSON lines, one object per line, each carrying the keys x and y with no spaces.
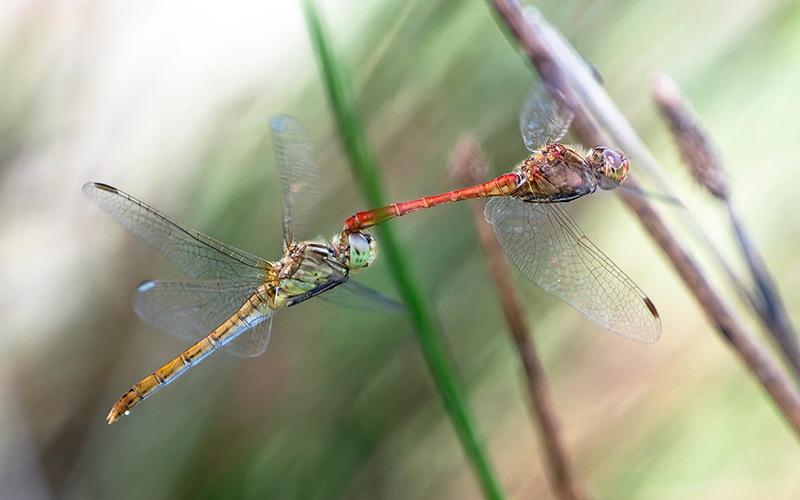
{"x":199,"y":256}
{"x":298,"y":171}
{"x":550,"y":250}
{"x":357,"y":296}
{"x":338,"y":289}
{"x":254,"y":341}
{"x":544,"y":118}
{"x":192,"y":309}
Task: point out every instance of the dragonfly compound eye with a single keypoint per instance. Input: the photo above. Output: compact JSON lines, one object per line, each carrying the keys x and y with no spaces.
{"x":362,"y":250}
{"x":611,"y":166}
{"x":613,"y":159}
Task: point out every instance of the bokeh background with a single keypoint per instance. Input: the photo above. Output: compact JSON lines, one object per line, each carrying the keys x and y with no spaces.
{"x":170,"y":102}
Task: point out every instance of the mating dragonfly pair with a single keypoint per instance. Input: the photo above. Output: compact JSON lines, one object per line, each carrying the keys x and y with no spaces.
{"x":232,"y":295}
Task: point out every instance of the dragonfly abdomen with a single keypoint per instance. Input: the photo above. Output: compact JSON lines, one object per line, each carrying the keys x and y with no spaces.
{"x":246,"y":317}
{"x":500,"y":186}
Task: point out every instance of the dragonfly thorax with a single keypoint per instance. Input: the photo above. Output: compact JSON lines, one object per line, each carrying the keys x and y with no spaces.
{"x":306,"y":266}
{"x":555,"y":174}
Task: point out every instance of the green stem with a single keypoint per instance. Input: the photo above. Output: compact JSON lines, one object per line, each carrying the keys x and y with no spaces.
{"x":430,"y":339}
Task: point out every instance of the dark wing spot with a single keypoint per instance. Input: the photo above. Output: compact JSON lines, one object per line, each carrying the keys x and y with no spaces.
{"x":105,"y":187}
{"x":651,"y":307}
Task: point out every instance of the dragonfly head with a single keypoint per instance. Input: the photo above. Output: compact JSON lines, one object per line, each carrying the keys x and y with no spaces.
{"x":610,"y":167}
{"x":360,"y":251}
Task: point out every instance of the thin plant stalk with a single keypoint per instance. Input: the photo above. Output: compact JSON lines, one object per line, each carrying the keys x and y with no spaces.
{"x":563,"y":70}
{"x":773,"y":311}
{"x":366,"y":171}
{"x":706,"y":166}
{"x":468,"y":166}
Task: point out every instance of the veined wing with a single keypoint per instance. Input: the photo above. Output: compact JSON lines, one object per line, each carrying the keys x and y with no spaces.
{"x":543,"y":118}
{"x":357,"y":296}
{"x":192,"y":309}
{"x":298,"y":171}
{"x":199,"y":256}
{"x":550,"y":250}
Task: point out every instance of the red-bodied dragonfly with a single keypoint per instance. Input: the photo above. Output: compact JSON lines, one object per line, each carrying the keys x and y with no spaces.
{"x":232,"y":295}
{"x":538,"y":235}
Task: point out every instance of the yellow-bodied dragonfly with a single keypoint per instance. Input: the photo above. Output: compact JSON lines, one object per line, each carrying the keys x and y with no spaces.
{"x":233,"y":294}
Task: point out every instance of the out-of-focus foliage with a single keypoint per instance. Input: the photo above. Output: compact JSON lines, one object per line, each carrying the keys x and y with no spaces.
{"x":171,"y":103}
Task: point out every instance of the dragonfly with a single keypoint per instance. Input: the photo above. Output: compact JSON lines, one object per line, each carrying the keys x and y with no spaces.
{"x":537,"y":234}
{"x":230,"y":300}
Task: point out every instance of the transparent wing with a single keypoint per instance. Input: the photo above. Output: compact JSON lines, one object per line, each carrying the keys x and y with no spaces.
{"x":199,"y":256}
{"x":543,"y":118}
{"x":299,"y":174}
{"x":550,"y":250}
{"x":357,"y":296}
{"x":193,"y":309}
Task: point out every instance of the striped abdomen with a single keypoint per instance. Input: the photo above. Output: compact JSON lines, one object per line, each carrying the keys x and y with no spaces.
{"x":501,"y":186}
{"x":257,"y":308}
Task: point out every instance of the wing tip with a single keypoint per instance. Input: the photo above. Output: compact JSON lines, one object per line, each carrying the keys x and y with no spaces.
{"x":651,"y":307}
{"x":652,"y":336}
{"x":650,"y":339}
{"x":100,"y":186}
{"x":146,"y":286}
{"x":644,"y":330}
{"x":278,"y":123}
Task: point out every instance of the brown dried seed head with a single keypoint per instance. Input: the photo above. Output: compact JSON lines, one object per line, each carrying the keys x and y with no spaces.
{"x":692,"y":140}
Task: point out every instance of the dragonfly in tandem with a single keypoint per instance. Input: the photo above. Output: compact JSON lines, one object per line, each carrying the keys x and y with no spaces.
{"x":535,"y":231}
{"x":232,"y":295}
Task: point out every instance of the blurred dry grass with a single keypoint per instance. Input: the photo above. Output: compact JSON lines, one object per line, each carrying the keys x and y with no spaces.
{"x":170,"y":102}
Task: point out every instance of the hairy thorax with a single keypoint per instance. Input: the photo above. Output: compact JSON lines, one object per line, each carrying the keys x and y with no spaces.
{"x":556,"y":173}
{"x":307,"y":266}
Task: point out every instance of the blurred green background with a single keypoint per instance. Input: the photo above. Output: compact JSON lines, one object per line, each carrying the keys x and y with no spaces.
{"x":170,"y":102}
